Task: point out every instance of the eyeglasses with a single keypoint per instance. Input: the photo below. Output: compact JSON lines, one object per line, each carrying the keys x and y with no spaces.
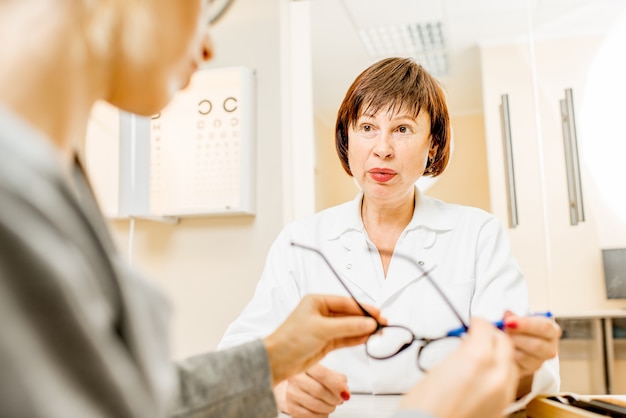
{"x":388,"y":341}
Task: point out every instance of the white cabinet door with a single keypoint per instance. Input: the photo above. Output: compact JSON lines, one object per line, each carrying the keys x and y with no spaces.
{"x":562,"y":262}
{"x":505,"y":71}
{"x":575,"y":257}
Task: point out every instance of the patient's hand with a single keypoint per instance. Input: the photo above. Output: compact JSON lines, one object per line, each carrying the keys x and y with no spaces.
{"x":477,"y":380}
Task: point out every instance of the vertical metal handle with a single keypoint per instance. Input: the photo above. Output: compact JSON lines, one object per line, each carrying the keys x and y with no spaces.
{"x":508,"y":159}
{"x":572,"y":165}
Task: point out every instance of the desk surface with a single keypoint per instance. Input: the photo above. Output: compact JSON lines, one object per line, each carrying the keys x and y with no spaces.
{"x":365,"y":406}
{"x":381,"y":406}
{"x":611,"y":313}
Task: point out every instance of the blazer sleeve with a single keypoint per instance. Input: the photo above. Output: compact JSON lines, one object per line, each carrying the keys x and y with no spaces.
{"x":236,"y":382}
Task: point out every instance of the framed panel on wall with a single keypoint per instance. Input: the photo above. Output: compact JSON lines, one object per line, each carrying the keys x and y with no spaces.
{"x":195,"y":158}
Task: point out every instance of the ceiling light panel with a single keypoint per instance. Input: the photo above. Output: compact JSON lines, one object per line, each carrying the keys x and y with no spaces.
{"x":402,"y":28}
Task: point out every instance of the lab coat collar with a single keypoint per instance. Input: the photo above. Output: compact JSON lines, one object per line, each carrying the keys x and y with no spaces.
{"x":429,"y":218}
{"x":429,"y":213}
{"x":348,"y":219}
{"x":356,"y":262}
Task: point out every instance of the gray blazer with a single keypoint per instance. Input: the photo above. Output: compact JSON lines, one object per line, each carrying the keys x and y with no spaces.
{"x":83,"y":335}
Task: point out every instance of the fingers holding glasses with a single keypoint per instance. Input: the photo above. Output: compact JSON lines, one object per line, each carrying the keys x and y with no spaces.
{"x":318,"y":325}
{"x":536,"y":339}
{"x":349,"y":327}
{"x":344,"y":306}
{"x":485,"y":377}
{"x":493,"y":354}
{"x":490,"y":346}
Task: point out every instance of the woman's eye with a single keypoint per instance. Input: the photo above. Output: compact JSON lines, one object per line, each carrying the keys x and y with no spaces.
{"x":367,"y":128}
{"x":404,"y":129}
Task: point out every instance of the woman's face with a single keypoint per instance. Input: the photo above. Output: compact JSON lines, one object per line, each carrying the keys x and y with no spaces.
{"x":388,"y":153}
{"x":161,"y":61}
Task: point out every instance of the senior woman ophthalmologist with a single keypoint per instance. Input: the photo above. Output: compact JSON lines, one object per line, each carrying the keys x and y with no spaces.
{"x":392,"y":128}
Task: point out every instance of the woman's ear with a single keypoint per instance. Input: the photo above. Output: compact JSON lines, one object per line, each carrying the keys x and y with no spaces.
{"x":432,"y":152}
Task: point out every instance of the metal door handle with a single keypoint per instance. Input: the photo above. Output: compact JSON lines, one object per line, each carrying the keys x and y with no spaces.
{"x":508,"y":160}
{"x":572,"y":165}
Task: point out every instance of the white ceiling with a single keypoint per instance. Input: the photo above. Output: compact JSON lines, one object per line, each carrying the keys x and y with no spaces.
{"x":339,"y":54}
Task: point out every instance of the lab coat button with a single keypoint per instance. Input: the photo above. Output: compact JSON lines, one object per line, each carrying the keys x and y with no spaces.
{"x":349,"y":266}
{"x":421,"y":263}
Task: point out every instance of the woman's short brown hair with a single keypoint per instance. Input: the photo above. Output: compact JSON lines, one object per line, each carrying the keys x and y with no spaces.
{"x":396,"y":84}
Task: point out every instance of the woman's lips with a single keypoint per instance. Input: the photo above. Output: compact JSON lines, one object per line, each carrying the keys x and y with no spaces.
{"x":382,"y":175}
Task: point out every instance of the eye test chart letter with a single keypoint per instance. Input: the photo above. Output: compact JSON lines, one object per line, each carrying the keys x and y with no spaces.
{"x":195,"y":158}
{"x":202,"y":147}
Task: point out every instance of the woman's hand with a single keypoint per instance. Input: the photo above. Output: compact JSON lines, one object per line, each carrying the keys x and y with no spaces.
{"x":318,"y":325}
{"x":536,"y":339}
{"x":314,"y":393}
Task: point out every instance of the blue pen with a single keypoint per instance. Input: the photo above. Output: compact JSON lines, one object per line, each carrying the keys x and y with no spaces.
{"x":457,"y":332}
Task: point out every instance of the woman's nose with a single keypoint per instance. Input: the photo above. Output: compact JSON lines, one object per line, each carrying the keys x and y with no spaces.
{"x":384,"y":147}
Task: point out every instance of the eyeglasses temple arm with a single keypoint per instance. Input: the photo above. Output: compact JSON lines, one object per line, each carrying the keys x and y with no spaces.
{"x":436,"y":286}
{"x":315,"y":250}
{"x":457,"y":332}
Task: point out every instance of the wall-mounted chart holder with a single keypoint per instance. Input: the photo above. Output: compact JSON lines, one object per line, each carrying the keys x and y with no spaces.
{"x":195,"y":158}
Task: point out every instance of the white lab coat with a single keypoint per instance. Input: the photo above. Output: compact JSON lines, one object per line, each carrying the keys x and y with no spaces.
{"x":465,"y":250}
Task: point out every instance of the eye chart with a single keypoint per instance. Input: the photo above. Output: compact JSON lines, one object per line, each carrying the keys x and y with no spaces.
{"x":202,"y":151}
{"x":195,"y":158}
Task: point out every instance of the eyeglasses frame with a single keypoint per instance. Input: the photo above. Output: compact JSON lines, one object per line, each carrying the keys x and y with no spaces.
{"x":425,"y":341}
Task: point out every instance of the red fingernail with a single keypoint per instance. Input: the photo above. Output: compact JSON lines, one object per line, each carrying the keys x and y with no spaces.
{"x":511,"y":324}
{"x":345,"y":396}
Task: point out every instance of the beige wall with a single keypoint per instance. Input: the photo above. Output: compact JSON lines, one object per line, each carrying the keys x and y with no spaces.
{"x":332,"y":184}
{"x":208,"y":267}
{"x":465,"y":180}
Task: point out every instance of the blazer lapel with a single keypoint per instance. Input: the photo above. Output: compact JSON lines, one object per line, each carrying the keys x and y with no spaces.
{"x":144,"y":311}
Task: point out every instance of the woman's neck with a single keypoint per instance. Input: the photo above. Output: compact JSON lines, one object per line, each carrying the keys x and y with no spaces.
{"x":385,"y":222}
{"x":388,"y":214}
{"x":56,"y":101}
